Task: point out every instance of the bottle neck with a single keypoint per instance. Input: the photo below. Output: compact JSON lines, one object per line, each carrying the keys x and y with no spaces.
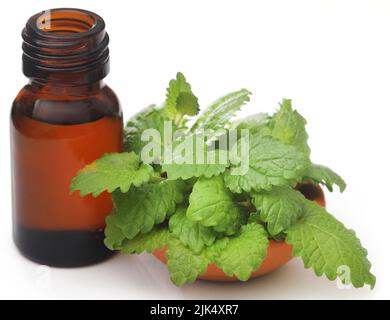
{"x":65,"y":90}
{"x":67,"y":47}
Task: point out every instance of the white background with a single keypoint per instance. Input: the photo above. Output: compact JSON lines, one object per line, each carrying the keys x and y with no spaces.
{"x":331,"y":57}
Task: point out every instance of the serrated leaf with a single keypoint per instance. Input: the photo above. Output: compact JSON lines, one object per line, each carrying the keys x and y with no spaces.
{"x":212,"y":205}
{"x":271,"y":163}
{"x":221,"y":111}
{"x":114,"y":236}
{"x":183,"y":265}
{"x":214,"y":251}
{"x":148,"y":242}
{"x":110,"y":172}
{"x":139,"y":210}
{"x":245,"y":253}
{"x":180,"y":99}
{"x":288,"y":126}
{"x":193,"y":158}
{"x":326,"y":176}
{"x":326,"y":245}
{"x":185,"y":171}
{"x":257,"y":123}
{"x":149,"y":118}
{"x":187,"y":103}
{"x":280,"y":208}
{"x":190,"y":233}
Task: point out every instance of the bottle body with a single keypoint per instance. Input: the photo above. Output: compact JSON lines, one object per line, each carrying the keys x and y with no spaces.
{"x":54,"y":133}
{"x":64,"y":119}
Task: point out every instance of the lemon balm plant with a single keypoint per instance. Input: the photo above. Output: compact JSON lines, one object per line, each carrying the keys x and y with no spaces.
{"x":204,"y":212}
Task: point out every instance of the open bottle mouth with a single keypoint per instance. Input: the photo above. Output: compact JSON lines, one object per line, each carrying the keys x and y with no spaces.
{"x":70,"y":42}
{"x":66,"y":22}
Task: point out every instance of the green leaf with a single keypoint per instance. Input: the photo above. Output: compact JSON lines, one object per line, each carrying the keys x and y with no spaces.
{"x":271,"y":163}
{"x":186,"y":170}
{"x":110,"y":172}
{"x":114,"y":235}
{"x":257,"y":123}
{"x":325,"y":245}
{"x":149,"y":118}
{"x":211,"y":204}
{"x":321,"y":174}
{"x":238,"y":256}
{"x":183,"y":265}
{"x":280,"y":208}
{"x":187,"y":103}
{"x":193,"y":158}
{"x":221,"y":111}
{"x":190,"y":233}
{"x":245,"y":253}
{"x":148,"y":242}
{"x":140,"y":209}
{"x":288,"y":126}
{"x":215,"y":250}
{"x":180,"y":99}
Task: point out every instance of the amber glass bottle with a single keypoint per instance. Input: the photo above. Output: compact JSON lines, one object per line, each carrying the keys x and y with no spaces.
{"x":63,"y":119}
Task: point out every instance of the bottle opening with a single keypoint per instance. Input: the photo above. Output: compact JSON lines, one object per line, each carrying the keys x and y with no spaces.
{"x":65,"y":21}
{"x":67,"y":46}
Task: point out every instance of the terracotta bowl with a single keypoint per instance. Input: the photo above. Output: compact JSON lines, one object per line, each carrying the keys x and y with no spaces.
{"x":279,"y":253}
